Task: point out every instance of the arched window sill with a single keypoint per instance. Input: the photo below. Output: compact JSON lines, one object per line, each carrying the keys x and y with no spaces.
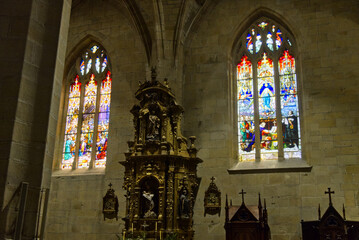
{"x":78,"y":172}
{"x":271,"y":166}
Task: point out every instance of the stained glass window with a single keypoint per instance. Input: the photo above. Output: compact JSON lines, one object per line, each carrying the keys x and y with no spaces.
{"x":267,"y":97}
{"x":88,"y":112}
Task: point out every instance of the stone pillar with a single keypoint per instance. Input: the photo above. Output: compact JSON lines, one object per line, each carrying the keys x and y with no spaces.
{"x":33,"y":37}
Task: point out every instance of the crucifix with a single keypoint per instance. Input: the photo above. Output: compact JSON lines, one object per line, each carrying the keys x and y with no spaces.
{"x":212,"y":178}
{"x":330,"y":196}
{"x":110,"y":185}
{"x":242,"y":193}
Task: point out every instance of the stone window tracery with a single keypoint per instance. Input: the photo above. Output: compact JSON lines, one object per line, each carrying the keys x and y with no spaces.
{"x":87,"y":107}
{"x":267,"y":94}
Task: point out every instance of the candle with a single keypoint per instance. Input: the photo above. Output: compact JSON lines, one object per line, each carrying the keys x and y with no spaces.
{"x":132,"y":228}
{"x":160,"y":235}
{"x":156,"y":227}
{"x":124,"y":235}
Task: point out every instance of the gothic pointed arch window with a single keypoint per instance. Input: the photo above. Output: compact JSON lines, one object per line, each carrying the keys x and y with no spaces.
{"x":267,"y":94}
{"x":87,"y":111}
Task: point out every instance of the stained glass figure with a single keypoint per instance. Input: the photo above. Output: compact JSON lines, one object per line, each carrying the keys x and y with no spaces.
{"x":71,"y":124}
{"x":97,"y":64}
{"x":104,"y":64}
{"x":289,"y":106}
{"x":89,"y":64}
{"x":103,"y":122}
{"x":279,"y":39}
{"x":94,"y":48}
{"x":267,"y":108}
{"x":246,"y":134}
{"x":90,"y":122}
{"x":262,"y":25}
{"x":82,"y":67}
{"x":263,"y":105}
{"x":258,"y":42}
{"x":249,"y":43}
{"x":269,"y":41}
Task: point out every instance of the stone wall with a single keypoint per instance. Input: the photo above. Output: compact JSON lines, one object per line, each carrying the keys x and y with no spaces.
{"x":328,"y":76}
{"x":328,"y":79}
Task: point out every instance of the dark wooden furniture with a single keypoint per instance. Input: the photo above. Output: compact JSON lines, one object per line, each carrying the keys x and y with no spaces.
{"x":332,"y":226}
{"x":246,"y":222}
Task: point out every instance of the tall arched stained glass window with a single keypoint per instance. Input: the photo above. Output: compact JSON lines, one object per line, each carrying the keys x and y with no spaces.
{"x":88,"y":111}
{"x":267,"y":96}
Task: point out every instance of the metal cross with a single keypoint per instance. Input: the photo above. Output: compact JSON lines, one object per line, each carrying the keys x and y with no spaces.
{"x":145,"y":225}
{"x":212,"y":178}
{"x":330,"y":196}
{"x":242,"y":193}
{"x":110,"y":185}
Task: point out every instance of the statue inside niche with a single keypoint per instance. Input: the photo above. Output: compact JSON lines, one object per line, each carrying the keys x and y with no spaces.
{"x":149,"y":199}
{"x":153,"y":126}
{"x":183,"y":204}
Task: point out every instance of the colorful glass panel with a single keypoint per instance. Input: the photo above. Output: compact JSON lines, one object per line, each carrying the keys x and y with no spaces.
{"x":103,"y":122}
{"x":89,"y":64}
{"x":258,"y":42}
{"x":68,"y":155}
{"x":279,"y":39}
{"x":97,"y":64}
{"x":269,"y":41}
{"x":249,"y":43}
{"x":246,"y":135}
{"x":94,"y":48}
{"x":104,"y":64}
{"x":289,"y":106}
{"x":262,"y":25}
{"x":82,"y":67}
{"x":267,"y":109}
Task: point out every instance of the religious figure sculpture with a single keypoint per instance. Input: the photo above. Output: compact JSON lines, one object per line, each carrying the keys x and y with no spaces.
{"x":149,"y":205}
{"x":153,"y":126}
{"x":183,"y":206}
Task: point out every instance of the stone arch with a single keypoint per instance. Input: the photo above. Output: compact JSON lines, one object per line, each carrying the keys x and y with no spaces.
{"x":252,"y":17}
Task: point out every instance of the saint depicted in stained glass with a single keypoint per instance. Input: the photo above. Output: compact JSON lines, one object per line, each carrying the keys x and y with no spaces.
{"x":71,"y":124}
{"x":289,"y":105}
{"x":269,"y":41}
{"x":249,"y":43}
{"x":246,"y":109}
{"x":275,"y":95}
{"x":92,"y":121}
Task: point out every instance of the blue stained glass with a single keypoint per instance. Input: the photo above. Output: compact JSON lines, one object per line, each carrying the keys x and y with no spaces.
{"x":246,"y":136}
{"x":87,"y":123}
{"x":289,"y":104}
{"x":97,"y":64}
{"x":249,"y":43}
{"x":267,"y":107}
{"x":246,"y":109}
{"x":94,"y":48}
{"x":89,"y":63}
{"x":258,"y":43}
{"x":82,"y":67}
{"x":104,"y":64}
{"x":269,"y":41}
{"x":279,"y":39}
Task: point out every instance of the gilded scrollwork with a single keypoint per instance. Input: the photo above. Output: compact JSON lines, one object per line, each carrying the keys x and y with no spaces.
{"x":160,"y":180}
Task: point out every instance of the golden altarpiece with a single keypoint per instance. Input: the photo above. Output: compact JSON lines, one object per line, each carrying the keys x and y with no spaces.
{"x":160,"y":168}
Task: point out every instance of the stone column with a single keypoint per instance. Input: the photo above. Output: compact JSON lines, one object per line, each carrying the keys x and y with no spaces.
{"x":33,"y":37}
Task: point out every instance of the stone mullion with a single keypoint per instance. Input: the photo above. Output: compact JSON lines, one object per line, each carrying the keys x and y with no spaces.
{"x":79,"y":126}
{"x":278,"y":109}
{"x":256,"y":112}
{"x":95,"y":130}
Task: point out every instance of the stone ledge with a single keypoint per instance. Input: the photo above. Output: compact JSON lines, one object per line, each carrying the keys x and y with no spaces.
{"x":271,"y":166}
{"x":78,"y":172}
